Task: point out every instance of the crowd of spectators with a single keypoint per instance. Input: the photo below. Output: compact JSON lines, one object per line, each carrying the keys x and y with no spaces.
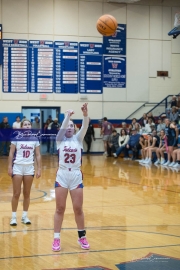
{"x":150,"y":140}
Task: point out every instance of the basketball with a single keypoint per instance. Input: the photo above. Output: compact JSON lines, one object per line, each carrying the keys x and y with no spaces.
{"x":106,"y":25}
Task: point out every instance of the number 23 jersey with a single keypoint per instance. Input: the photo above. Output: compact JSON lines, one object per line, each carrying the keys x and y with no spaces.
{"x":70,"y":153}
{"x":24,"y":154}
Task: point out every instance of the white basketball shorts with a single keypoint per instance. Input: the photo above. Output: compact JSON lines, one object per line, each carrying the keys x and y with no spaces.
{"x":69,"y":179}
{"x":23,"y":169}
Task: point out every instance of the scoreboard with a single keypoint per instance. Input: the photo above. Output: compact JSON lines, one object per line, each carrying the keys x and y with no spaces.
{"x":15,"y":65}
{"x":66,"y":67}
{"x":40,"y":66}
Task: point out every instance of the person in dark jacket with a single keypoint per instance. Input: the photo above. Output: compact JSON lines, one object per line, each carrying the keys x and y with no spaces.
{"x":133,"y":141}
{"x":113,"y":143}
{"x":3,"y":136}
{"x":89,"y":135}
{"x":54,"y":130}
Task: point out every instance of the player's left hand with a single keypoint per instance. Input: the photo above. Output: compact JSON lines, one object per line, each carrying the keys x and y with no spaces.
{"x":38,"y":173}
{"x":84,"y":109}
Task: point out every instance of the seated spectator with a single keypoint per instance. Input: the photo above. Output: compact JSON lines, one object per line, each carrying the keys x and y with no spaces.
{"x":134,"y":121}
{"x":174,"y":115}
{"x":153,"y":144}
{"x":178,"y":103}
{"x":17,"y":123}
{"x":134,"y":139}
{"x":149,"y":126}
{"x":123,"y":140}
{"x":161,"y":149}
{"x":129,"y":129}
{"x":143,"y":143}
{"x":113,"y":143}
{"x":161,"y":126}
{"x":176,"y":156}
{"x":150,"y":115}
{"x":138,"y":128}
{"x":173,"y":102}
{"x":144,"y":120}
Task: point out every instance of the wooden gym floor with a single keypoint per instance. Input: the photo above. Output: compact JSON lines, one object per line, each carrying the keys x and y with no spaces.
{"x":130,"y":211}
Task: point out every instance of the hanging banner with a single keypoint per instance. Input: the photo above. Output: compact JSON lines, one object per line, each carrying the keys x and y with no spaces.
{"x":114,"y":72}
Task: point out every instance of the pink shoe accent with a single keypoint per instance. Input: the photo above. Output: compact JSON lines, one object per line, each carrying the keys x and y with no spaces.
{"x":56,"y":245}
{"x":83,"y":243}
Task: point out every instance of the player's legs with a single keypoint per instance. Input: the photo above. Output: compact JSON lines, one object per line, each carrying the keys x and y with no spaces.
{"x":61,"y":196}
{"x":27,"y":183}
{"x":16,"y":181}
{"x":77,"y":201}
{"x":105,"y":146}
{"x":174,"y":155}
{"x":170,"y":151}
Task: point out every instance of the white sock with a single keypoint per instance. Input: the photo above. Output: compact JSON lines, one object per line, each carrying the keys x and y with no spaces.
{"x":57,"y":235}
{"x":146,"y":158}
{"x":158,"y":160}
{"x":162,"y":159}
{"x":24,"y":214}
{"x":13,"y":214}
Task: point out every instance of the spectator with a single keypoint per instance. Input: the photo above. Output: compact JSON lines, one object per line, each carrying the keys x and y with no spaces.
{"x":36,"y":123}
{"x":153,"y":144}
{"x":134,"y":120}
{"x":138,"y":128}
{"x":161,"y":149}
{"x":54,"y":130}
{"x":149,"y":126}
{"x":150,"y":115}
{"x":123,"y":140}
{"x":3,"y":136}
{"x":173,"y":102}
{"x":144,"y":120}
{"x":142,"y":145}
{"x":47,"y":131}
{"x":170,"y":131}
{"x":106,"y":131}
{"x":89,"y":135}
{"x":113,"y":143}
{"x":178,"y":103}
{"x":129,"y":129}
{"x":131,"y":144}
{"x":176,"y":156}
{"x":161,"y":126}
{"x":174,"y":115}
{"x":17,"y":123}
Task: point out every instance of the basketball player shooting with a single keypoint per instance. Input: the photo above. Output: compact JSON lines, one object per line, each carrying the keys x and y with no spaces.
{"x":69,"y":177}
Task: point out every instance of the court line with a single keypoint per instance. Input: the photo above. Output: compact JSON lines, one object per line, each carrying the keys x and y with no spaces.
{"x":98,"y":228}
{"x":86,"y":251}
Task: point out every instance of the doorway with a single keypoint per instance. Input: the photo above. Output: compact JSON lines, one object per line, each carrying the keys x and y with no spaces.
{"x":43,"y":113}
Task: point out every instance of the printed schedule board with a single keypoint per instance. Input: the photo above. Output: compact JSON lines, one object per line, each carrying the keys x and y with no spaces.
{"x":65,"y":67}
{"x":114,"y":72}
{"x":90,"y":68}
{"x":40,"y":66}
{"x":15,"y":66}
{"x":116,"y":44}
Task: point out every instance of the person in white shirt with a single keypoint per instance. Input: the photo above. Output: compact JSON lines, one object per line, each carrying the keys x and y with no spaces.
{"x":69,"y":176}
{"x":21,"y":169}
{"x":123,"y":140}
{"x":17,"y":124}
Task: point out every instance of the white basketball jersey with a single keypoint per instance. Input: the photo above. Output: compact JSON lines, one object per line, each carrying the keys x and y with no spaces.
{"x":25,"y":151}
{"x":70,"y":153}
